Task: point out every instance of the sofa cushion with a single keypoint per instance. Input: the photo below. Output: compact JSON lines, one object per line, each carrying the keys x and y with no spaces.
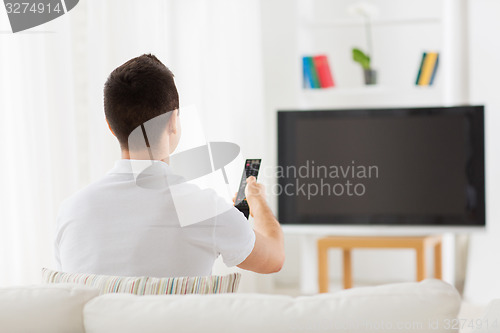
{"x":490,"y":323}
{"x":424,"y":307}
{"x":44,"y":309}
{"x":148,"y":285}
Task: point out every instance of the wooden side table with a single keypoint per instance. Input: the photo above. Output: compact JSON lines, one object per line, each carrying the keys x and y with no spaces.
{"x":420,"y":244}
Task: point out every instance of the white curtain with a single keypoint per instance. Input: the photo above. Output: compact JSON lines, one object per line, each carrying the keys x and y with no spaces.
{"x":38,"y":146}
{"x":53,"y":130}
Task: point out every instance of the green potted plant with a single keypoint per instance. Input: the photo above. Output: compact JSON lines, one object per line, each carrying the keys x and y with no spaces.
{"x":366,"y":11}
{"x":364,"y":60}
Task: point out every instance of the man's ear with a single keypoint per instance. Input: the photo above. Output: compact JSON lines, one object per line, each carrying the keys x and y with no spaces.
{"x":172,"y":122}
{"x":110,"y":127}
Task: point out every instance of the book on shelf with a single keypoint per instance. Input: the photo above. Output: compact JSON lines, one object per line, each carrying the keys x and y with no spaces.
{"x":428,"y":69}
{"x":316,"y":72}
{"x":310,"y":76}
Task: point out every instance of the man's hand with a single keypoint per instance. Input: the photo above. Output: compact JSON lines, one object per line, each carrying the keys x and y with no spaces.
{"x":268,"y":253}
{"x":255,"y":194}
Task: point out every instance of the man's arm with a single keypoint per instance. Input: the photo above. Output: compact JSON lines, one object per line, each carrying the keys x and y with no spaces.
{"x":268,"y":254}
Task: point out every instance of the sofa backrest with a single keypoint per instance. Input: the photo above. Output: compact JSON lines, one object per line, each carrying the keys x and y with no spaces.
{"x":427,"y":306}
{"x":44,"y":308}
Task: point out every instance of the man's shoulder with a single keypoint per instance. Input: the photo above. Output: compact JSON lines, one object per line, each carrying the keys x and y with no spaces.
{"x":89,"y":193}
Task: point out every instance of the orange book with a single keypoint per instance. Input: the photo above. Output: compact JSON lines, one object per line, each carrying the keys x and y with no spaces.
{"x":428,"y":66}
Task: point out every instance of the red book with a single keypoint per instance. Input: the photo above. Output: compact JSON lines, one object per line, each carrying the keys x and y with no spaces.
{"x":323,"y":70}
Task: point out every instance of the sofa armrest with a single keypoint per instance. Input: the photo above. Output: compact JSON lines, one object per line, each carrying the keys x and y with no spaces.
{"x":44,"y":308}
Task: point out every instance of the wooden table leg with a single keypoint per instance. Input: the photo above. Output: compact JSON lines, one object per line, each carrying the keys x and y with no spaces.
{"x":438,"y":258}
{"x":421,"y":265}
{"x":323,"y":268}
{"x":347,"y":268}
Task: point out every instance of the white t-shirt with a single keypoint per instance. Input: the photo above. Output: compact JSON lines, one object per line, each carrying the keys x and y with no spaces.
{"x":128,"y":226}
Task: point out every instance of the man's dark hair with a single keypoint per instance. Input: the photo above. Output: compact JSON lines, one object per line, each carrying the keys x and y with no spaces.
{"x":139,"y":90}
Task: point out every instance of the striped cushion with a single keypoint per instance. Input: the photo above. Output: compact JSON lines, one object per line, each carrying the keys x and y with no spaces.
{"x":148,"y":285}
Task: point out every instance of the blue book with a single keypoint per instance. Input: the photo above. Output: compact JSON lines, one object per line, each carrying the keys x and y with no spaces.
{"x":311,"y":79}
{"x":420,"y":68}
{"x":307,"y":79}
{"x":435,"y":70}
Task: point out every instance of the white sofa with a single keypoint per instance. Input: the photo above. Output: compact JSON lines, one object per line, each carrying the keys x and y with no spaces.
{"x":406,"y":307}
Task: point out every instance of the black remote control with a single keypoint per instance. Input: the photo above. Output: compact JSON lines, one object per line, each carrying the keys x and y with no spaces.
{"x":251,"y":169}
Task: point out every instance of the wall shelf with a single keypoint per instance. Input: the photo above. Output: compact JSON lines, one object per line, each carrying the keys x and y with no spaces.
{"x":371,"y":96}
{"x":347,"y":23}
{"x":372,"y":89}
{"x":401,"y":33}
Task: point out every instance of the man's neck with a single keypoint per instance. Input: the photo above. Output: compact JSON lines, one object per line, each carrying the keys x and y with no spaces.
{"x":144,"y":155}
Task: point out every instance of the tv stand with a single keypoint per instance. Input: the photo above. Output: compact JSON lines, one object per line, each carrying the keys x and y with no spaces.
{"x":346,"y":244}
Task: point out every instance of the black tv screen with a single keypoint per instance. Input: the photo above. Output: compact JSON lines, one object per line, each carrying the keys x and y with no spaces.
{"x":407,"y":166}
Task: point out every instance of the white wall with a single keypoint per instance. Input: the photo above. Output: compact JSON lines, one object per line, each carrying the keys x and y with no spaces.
{"x":401,"y":32}
{"x":483,"y":278}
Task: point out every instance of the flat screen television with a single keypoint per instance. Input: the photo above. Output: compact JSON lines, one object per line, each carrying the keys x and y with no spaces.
{"x":396,"y":167}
